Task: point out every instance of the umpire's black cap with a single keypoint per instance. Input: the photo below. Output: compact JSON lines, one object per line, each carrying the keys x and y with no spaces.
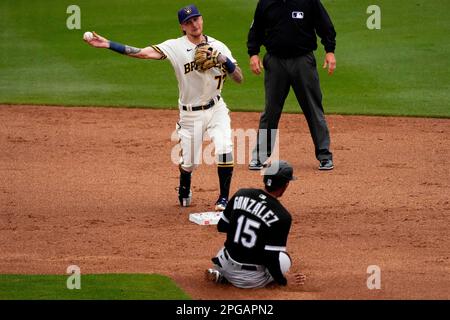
{"x":278,"y":173}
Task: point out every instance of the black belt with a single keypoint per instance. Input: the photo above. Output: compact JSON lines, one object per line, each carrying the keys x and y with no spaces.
{"x":243,"y":266}
{"x":204,"y":107}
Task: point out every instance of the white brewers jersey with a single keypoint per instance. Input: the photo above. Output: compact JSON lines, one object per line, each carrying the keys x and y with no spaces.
{"x":196,"y":88}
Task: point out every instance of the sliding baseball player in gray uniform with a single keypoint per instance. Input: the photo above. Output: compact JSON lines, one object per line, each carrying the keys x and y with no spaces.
{"x":257,"y":227}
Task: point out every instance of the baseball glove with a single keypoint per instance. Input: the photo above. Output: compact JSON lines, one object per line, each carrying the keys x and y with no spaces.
{"x":205,"y":57}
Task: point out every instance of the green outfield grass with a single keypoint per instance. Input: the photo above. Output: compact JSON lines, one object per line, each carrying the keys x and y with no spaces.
{"x":398,"y":70}
{"x":93,"y":287}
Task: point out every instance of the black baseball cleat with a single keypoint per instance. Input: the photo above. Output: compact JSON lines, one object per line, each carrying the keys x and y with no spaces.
{"x":185,"y":197}
{"x":326,"y":164}
{"x":221,"y":204}
{"x":255,"y":165}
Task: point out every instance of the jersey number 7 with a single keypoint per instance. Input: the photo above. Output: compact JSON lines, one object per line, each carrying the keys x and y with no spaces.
{"x":247,"y":235}
{"x":221,"y":80}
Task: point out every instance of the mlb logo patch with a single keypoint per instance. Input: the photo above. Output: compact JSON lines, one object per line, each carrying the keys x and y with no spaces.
{"x":297,"y":15}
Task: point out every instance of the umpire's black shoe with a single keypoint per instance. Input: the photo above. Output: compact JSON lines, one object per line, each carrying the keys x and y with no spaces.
{"x":326,"y":164}
{"x":255,"y":165}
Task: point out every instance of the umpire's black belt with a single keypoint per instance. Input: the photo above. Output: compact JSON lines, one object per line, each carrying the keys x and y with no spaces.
{"x":210,"y":104}
{"x":242,"y":265}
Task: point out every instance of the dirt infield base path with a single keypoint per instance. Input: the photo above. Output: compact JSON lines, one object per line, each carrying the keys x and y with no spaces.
{"x":94,"y":187}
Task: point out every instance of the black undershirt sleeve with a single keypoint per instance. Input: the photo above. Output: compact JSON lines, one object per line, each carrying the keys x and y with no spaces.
{"x":223,"y":226}
{"x":277,"y":237}
{"x":273,"y":264}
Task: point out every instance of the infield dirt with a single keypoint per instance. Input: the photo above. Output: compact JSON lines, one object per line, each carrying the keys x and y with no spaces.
{"x":95,"y":187}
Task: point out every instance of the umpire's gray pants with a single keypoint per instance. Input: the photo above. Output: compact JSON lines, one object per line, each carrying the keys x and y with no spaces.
{"x":280,"y":75}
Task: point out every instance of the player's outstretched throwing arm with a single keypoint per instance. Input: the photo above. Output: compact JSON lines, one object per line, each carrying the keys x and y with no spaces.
{"x":98,"y":41}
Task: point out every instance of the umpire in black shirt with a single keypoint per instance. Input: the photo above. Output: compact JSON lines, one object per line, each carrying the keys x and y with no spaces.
{"x":287,"y":28}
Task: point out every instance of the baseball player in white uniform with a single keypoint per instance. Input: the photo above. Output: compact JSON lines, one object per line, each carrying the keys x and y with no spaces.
{"x":202,"y":109}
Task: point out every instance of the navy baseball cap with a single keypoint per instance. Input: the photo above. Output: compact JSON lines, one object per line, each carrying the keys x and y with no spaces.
{"x":187,"y":13}
{"x":278,"y":173}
